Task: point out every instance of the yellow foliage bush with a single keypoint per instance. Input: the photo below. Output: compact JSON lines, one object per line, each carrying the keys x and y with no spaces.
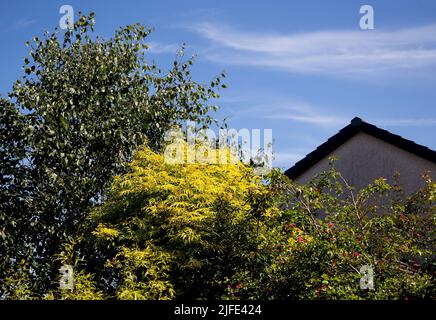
{"x":161,"y":218}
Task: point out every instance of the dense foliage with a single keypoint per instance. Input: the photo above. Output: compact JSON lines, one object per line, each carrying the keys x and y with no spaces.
{"x":85,"y":183}
{"x":214,"y":231}
{"x":71,"y":123}
{"x":327,"y":232}
{"x":169,"y":229}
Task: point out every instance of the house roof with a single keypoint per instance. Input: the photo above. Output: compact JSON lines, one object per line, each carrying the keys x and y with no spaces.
{"x":358,"y":125}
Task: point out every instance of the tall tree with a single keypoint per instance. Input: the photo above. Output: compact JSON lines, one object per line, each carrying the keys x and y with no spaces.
{"x":72,"y":122}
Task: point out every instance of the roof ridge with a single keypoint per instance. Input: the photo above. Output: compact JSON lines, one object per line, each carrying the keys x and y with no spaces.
{"x":355,"y":126}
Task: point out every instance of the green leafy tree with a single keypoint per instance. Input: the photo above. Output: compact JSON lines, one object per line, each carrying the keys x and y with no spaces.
{"x":72,"y":122}
{"x":141,"y":228}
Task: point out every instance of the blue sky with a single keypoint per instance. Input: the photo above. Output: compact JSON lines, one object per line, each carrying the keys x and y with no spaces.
{"x":301,"y":68}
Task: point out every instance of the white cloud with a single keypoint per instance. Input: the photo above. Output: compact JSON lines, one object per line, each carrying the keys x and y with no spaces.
{"x":295,"y":111}
{"x":320,"y":120}
{"x":324,"y":52}
{"x":158,"y":47}
{"x":23,"y":22}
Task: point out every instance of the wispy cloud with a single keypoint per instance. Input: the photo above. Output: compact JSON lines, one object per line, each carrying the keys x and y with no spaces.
{"x":22,"y":23}
{"x":321,"y":120}
{"x":158,"y":47}
{"x":19,"y":24}
{"x":272,"y":106}
{"x":324,"y":52}
{"x":295,"y":111}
